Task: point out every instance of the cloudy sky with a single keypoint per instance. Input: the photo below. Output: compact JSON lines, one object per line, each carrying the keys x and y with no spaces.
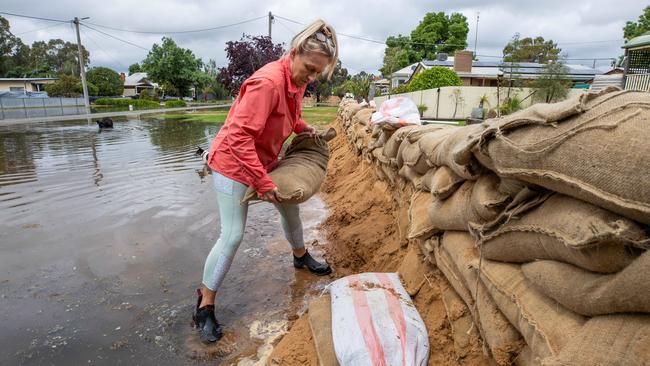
{"x":583,"y":29}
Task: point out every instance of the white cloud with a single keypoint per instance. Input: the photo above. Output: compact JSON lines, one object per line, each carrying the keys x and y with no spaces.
{"x":573,"y":25}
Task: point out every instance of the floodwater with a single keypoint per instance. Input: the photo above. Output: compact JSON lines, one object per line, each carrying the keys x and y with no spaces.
{"x":103,"y":237}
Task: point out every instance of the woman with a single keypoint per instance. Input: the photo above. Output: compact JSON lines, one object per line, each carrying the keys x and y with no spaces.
{"x":266,"y":112}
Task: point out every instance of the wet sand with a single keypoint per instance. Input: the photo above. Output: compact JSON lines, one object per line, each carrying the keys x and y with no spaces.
{"x":102,"y":242}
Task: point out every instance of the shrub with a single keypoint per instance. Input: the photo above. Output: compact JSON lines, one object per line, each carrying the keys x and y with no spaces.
{"x":127,"y":102}
{"x":435,"y":77}
{"x":512,"y":105}
{"x":175,"y":104}
{"x":108,"y":82}
{"x":400,"y":89}
{"x":422,"y":108}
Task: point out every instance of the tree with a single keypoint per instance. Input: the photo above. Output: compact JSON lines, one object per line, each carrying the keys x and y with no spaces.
{"x":56,"y":57}
{"x":552,"y":85}
{"x":398,"y":54}
{"x":135,"y":68}
{"x":530,"y":50}
{"x":633,"y":29}
{"x":439,"y":32}
{"x":322,"y":87}
{"x":176,"y":68}
{"x":68,"y":86}
{"x":108,"y":82}
{"x":359,"y":85}
{"x":8,"y":46}
{"x":245,"y":57}
{"x":435,"y":77}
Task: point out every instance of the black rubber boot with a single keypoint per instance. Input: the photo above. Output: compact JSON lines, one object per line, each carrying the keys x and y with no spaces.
{"x":206,"y":323}
{"x":315,"y":267}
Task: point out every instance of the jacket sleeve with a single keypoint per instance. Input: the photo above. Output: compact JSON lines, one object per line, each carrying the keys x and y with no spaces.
{"x":299,"y":126}
{"x":258,"y":98}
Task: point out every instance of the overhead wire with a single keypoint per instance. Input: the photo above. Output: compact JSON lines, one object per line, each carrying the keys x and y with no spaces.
{"x":39,"y":29}
{"x":177,"y":32}
{"x":114,"y":37}
{"x":34,"y":17}
{"x":87,"y":34}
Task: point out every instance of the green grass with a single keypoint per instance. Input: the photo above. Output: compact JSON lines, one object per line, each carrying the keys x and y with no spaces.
{"x":316,"y":116}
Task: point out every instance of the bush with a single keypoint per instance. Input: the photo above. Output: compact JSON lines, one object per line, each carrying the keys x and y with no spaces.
{"x":422,"y":108}
{"x":512,"y":105}
{"x":435,"y":77}
{"x":108,"y":82}
{"x":400,"y":89}
{"x":175,"y":104}
{"x":68,"y":86}
{"x":127,"y":102}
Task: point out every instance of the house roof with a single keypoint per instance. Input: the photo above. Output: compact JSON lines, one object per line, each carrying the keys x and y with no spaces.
{"x":407,"y":71}
{"x":492,"y":69}
{"x":602,"y":81}
{"x":637,"y":42}
{"x":137,"y":78}
{"x":27,"y":79}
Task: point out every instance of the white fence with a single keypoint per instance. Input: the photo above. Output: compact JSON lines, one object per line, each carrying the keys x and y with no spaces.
{"x":15,"y":108}
{"x":457,"y":102}
{"x":637,"y":82}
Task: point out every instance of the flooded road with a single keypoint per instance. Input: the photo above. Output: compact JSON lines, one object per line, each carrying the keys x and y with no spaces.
{"x":103,"y":237}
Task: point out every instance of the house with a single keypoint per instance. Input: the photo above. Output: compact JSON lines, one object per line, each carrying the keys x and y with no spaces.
{"x":380,"y":86}
{"x":637,"y":63}
{"x":136,"y":82}
{"x":401,"y":76}
{"x":489,"y":73}
{"x":25,"y":85}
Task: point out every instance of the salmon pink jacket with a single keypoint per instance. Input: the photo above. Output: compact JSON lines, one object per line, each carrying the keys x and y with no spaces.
{"x":266,"y":112}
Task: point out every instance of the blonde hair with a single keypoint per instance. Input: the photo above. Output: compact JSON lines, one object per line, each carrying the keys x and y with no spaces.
{"x":304,"y":42}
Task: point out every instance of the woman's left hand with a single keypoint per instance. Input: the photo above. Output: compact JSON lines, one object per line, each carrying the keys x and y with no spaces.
{"x":311,"y":130}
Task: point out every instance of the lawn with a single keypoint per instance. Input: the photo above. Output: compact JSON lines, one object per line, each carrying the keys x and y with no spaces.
{"x":316,"y":116}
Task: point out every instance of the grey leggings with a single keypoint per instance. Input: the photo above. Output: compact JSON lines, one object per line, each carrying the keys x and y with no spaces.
{"x":233,"y":221}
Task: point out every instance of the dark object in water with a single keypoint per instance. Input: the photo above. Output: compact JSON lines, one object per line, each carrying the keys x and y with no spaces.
{"x":203,"y":154}
{"x":105,"y":122}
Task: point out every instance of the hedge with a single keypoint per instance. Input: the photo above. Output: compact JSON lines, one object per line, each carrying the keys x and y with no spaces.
{"x":127,"y":102}
{"x":175,"y":104}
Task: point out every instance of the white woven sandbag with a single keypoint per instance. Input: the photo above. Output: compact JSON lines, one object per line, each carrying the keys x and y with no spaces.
{"x":374,"y":322}
{"x":397,"y":112}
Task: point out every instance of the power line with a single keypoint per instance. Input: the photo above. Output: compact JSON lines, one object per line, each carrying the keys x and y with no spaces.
{"x":117,"y":38}
{"x":39,"y":29}
{"x":103,"y":51}
{"x":33,"y":17}
{"x":178,"y":32}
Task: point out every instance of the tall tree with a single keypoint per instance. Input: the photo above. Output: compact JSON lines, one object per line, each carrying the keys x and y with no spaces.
{"x":108,"y":82}
{"x":9,"y":45}
{"x":176,"y":68}
{"x":439,"y":32}
{"x":530,"y":50}
{"x":398,"y":54}
{"x":133,"y":68}
{"x":635,"y":29}
{"x":245,"y":57}
{"x":552,"y":85}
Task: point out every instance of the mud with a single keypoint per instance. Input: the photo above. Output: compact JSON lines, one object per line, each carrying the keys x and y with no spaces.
{"x":102,"y":242}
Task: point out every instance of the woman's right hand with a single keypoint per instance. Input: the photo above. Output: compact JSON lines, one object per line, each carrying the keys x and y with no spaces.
{"x":271,"y":196}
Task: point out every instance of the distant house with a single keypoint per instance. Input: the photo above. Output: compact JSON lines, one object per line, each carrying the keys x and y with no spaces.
{"x":488,"y":73}
{"x":381,"y":86}
{"x":25,"y":85}
{"x":401,"y":76}
{"x":637,"y":63}
{"x":136,"y":82}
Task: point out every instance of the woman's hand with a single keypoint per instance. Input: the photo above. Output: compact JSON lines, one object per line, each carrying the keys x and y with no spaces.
{"x":271,"y":196}
{"x":311,"y":130}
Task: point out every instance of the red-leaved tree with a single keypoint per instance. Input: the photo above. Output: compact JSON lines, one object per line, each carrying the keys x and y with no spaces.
{"x":245,"y":57}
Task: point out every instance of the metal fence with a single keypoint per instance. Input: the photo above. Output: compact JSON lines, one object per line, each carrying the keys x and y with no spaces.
{"x":15,"y":108}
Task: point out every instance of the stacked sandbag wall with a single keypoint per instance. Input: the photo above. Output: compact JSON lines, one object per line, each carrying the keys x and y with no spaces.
{"x":538,"y":220}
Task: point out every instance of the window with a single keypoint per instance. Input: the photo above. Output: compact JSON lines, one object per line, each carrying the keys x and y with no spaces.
{"x":16,"y":88}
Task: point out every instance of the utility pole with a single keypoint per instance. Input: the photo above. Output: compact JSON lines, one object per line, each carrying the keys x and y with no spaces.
{"x":476,"y":34}
{"x":270,"y":22}
{"x":81,"y":66}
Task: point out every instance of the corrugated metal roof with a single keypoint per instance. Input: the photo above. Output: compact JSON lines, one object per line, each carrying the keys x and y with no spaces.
{"x":640,"y":41}
{"x":137,"y":78}
{"x":602,"y":81}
